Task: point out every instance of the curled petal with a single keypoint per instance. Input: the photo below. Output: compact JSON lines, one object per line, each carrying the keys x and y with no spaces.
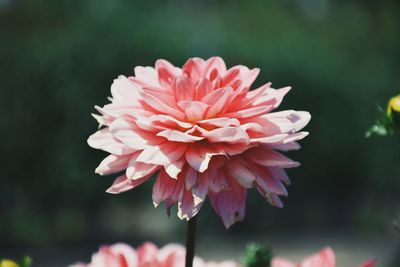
{"x":178,"y":136}
{"x":104,"y":140}
{"x":163,"y":154}
{"x":123,"y":183}
{"x":137,"y":170}
{"x":199,"y":158}
{"x":175,"y":168}
{"x":113,"y":164}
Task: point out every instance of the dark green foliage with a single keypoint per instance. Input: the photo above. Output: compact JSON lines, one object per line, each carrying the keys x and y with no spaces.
{"x":257,"y":256}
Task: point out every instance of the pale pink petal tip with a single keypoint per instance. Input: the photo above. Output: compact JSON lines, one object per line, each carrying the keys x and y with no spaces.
{"x":203,"y":131}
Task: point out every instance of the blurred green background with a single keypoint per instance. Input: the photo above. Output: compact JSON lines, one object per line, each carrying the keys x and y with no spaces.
{"x":59,"y":58}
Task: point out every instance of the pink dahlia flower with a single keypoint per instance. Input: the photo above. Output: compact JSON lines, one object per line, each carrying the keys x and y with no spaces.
{"x":203,"y":131}
{"x":324,"y":258}
{"x":147,"y":255}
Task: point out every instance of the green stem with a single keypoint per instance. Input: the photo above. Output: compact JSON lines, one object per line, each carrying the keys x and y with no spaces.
{"x":190,"y":241}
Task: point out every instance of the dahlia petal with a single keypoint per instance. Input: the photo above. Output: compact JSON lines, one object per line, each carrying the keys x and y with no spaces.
{"x":239,"y":170}
{"x":270,"y":185}
{"x":137,"y":170}
{"x":186,"y":207}
{"x":161,"y":122}
{"x":122,"y":88}
{"x":199,"y":158}
{"x":287,"y":147}
{"x":202,"y":88}
{"x":113,"y":164}
{"x":161,"y":106}
{"x":220,"y":122}
{"x":147,"y":253}
{"x":163,"y":154}
{"x":218,"y":182}
{"x":131,"y":136}
{"x":172,"y":255}
{"x":175,"y":168}
{"x":194,"y":69}
{"x":123,"y":183}
{"x":183,"y":88}
{"x":214,"y":66}
{"x":167,"y":97}
{"x":248,"y":77}
{"x":190,"y":178}
{"x":217,"y":100}
{"x":146,"y":75}
{"x":194,"y":110}
{"x":295,"y":137}
{"x":249,"y":112}
{"x":177,"y":136}
{"x":104,"y":140}
{"x":274,"y":200}
{"x":280,"y":262}
{"x":200,"y":188}
{"x":128,"y":254}
{"x":267,"y":96}
{"x":164,"y":188}
{"x":230,"y":76}
{"x":369,"y":263}
{"x":255,"y":93}
{"x":230,"y":204}
{"x":280,"y":174}
{"x":101,"y":120}
{"x":228,"y":134}
{"x":325,"y":258}
{"x":116,"y":109}
{"x":166,"y":72}
{"x":269,"y":158}
{"x":270,"y":139}
{"x":289,"y":120}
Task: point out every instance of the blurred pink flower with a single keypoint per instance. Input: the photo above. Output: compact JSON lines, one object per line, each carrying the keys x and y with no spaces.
{"x":203,"y":131}
{"x":324,"y":258}
{"x":147,"y":255}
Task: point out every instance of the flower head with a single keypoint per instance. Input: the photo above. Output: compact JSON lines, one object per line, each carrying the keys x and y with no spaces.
{"x":203,"y":131}
{"x":147,"y":255}
{"x":323,"y":258}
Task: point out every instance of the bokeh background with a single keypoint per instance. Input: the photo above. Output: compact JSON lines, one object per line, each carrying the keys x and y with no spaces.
{"x":59,"y":58}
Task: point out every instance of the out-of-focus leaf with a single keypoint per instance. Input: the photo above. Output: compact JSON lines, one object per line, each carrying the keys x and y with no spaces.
{"x":257,"y":256}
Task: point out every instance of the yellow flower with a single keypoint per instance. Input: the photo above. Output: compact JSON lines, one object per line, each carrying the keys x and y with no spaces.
{"x":394,"y":104}
{"x":8,"y":263}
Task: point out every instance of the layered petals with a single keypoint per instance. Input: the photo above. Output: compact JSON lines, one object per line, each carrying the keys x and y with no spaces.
{"x":146,"y":255}
{"x":323,"y":258}
{"x":202,"y":131}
